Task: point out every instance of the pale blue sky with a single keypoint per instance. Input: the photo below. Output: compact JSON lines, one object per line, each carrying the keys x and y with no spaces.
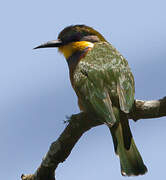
{"x":36,"y":95}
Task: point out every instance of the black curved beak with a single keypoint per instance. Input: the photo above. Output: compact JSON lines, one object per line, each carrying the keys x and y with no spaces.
{"x":49,"y":44}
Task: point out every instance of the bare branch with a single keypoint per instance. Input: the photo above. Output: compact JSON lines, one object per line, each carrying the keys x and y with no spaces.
{"x":148,"y":109}
{"x":79,"y":124}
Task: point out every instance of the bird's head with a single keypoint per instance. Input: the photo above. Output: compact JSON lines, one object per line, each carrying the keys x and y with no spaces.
{"x":74,"y":38}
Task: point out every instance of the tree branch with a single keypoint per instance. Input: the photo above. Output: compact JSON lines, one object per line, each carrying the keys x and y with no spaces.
{"x":79,"y":124}
{"x":148,"y":109}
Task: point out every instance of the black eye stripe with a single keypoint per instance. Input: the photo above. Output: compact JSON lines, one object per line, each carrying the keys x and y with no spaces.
{"x":90,"y":38}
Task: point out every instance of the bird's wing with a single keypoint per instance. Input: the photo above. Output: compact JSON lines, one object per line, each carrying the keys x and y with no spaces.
{"x":103,"y":79}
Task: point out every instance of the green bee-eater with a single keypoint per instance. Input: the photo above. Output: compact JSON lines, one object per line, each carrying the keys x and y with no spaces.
{"x":104,"y":84}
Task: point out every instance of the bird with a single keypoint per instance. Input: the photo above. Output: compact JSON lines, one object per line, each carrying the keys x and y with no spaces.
{"x":104,"y":85}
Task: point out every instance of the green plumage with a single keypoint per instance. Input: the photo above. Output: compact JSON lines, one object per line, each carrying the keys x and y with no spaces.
{"x":102,"y":78}
{"x":105,"y":86}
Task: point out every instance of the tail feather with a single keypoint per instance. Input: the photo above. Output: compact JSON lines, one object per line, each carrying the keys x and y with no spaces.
{"x":130,"y":159}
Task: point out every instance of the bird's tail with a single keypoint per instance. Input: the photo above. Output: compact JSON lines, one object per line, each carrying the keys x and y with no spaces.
{"x":130,"y":159}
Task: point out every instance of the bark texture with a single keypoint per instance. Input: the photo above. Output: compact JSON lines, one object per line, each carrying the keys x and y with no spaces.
{"x":79,"y":124}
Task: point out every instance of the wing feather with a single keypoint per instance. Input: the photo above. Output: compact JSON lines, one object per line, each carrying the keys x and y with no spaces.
{"x":103,"y":80}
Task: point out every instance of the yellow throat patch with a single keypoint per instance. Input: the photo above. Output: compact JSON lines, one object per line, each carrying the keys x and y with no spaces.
{"x":69,"y":49}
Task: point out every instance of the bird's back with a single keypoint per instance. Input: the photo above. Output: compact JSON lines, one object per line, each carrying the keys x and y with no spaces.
{"x":103,"y":70}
